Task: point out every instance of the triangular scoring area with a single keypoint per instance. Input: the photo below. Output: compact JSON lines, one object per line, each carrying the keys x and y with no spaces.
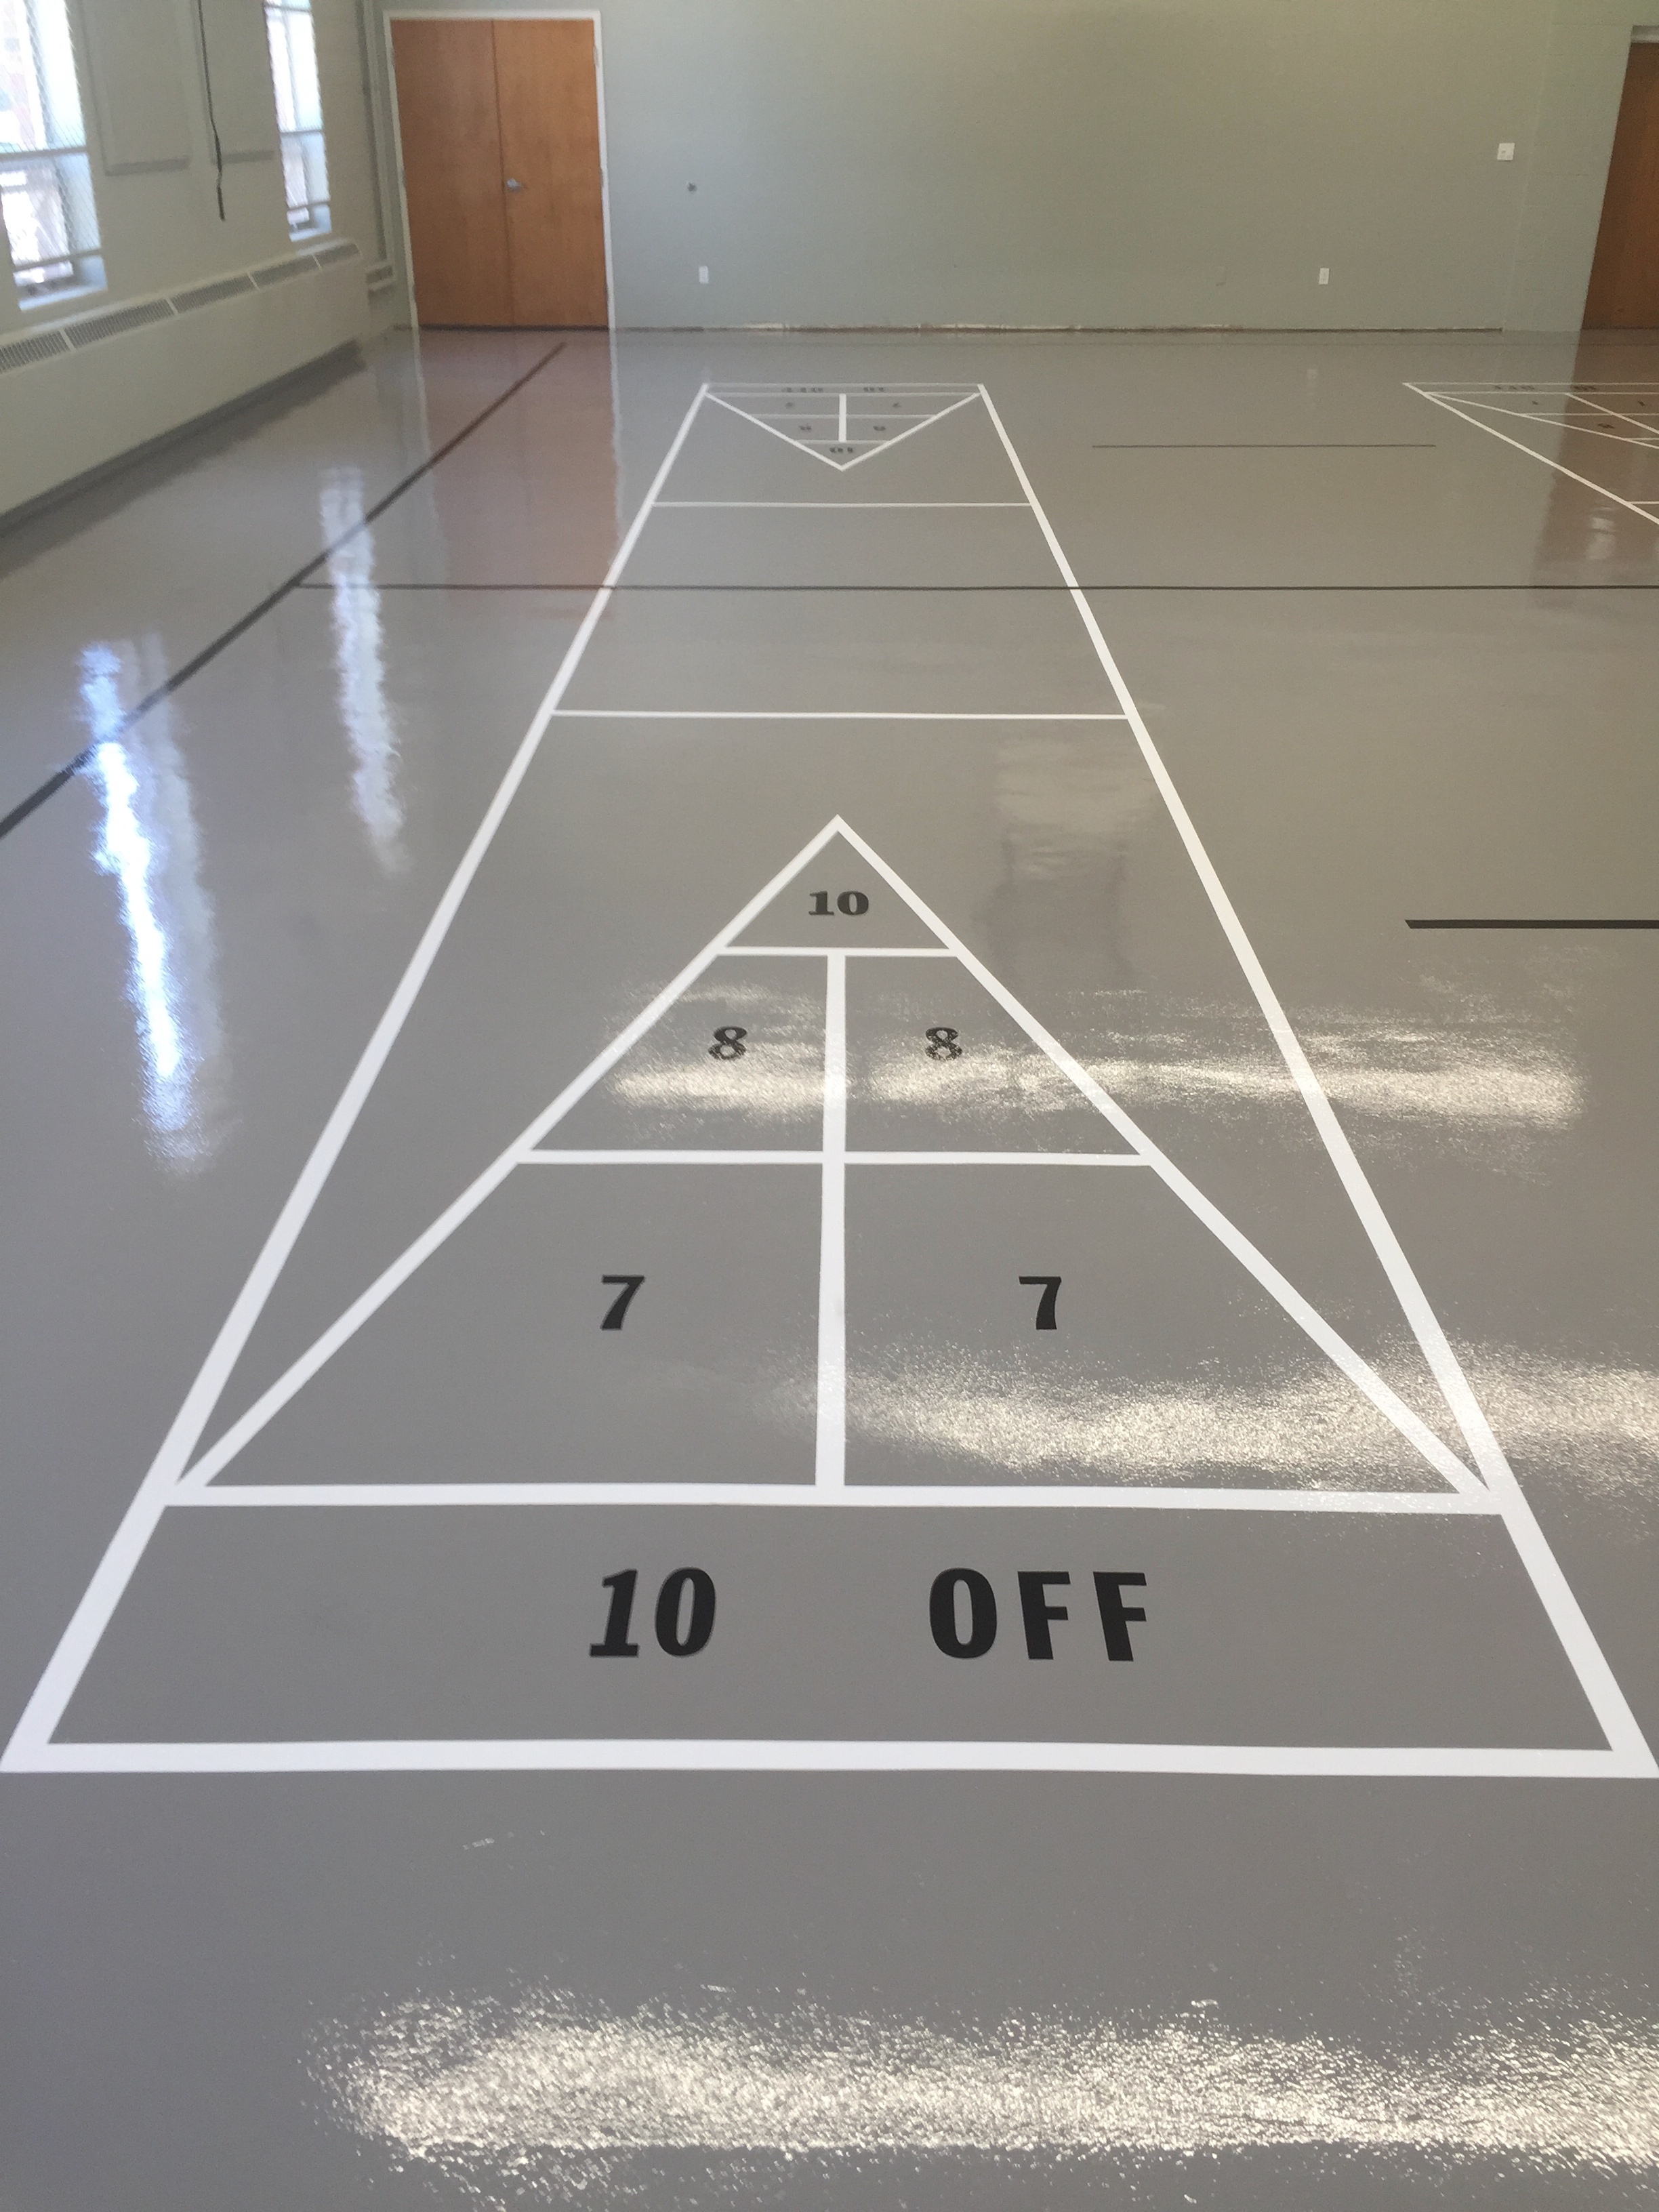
{"x":464,"y":1319}
{"x":1065,"y":1321}
{"x":935,"y":1065}
{"x":1629,"y":418}
{"x":841,"y":903}
{"x":735,"y":1064}
{"x":842,"y":424}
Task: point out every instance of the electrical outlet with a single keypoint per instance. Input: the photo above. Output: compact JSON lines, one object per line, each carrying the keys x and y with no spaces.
{"x":1506,"y":149}
{"x":702,"y":274}
{"x":1324,"y":275}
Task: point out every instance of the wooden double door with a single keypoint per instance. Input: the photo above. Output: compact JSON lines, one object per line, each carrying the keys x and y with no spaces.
{"x":499,"y":125}
{"x":1624,"y":286}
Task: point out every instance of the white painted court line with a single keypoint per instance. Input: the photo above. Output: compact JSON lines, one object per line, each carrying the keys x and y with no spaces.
{"x":645,"y":1157}
{"x":921,"y":394}
{"x":830,"y":1460}
{"x":848,"y":952}
{"x":1590,"y":402}
{"x":742,"y":414}
{"x":854,"y":506}
{"x":812,"y":713}
{"x":803,"y":446}
{"x":1574,"y":386}
{"x":392,"y":1278}
{"x":1277,"y":1287}
{"x":1437,"y":400}
{"x":898,"y":439}
{"x":30,"y":1748}
{"x":91,"y":1617}
{"x":1595,"y":1677}
{"x":996,"y":1160}
{"x":1172,"y":1497}
{"x":1646,"y":443}
{"x":815,"y":1755}
{"x":1306,"y":1316}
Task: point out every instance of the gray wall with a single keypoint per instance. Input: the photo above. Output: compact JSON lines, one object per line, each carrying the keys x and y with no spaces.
{"x":1100,"y":163}
{"x":1106,"y":162}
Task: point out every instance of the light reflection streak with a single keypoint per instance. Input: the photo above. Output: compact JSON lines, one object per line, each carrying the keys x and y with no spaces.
{"x":669,"y":1073}
{"x":1307,"y":1425}
{"x":360,"y":663}
{"x":1473,"y":1080}
{"x":148,"y":842}
{"x":492,"y":2094}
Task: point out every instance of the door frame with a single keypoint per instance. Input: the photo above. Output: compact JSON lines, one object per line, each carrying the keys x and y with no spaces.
{"x":485,"y":14}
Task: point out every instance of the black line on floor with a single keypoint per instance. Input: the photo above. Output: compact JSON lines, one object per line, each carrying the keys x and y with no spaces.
{"x":295,"y":583}
{"x":619,"y":591}
{"x":1536,"y":922}
{"x":1271,"y":445}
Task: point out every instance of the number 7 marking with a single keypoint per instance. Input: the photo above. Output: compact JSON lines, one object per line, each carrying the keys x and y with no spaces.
{"x":618,"y":1311}
{"x":1045,"y":1315}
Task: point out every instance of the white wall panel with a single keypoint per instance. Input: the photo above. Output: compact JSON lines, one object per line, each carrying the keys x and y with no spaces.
{"x":138,"y":84}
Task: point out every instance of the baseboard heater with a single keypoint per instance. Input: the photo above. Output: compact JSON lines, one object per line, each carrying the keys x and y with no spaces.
{"x":88,"y":330}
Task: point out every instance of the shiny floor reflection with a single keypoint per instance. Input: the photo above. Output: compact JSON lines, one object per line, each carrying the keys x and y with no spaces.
{"x":1393,"y":667}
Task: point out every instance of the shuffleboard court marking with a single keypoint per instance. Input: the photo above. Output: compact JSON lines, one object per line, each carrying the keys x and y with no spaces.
{"x":831,"y":1444}
{"x":617,"y":1159}
{"x":1645,"y":441}
{"x":839,"y":440}
{"x":1112,"y":1497}
{"x":138,"y":1524}
{"x":32,"y":1748}
{"x":877,"y":1755}
{"x":1596,"y":1678}
{"x":846,"y":505}
{"x":1439,"y":397}
{"x":813,"y":714}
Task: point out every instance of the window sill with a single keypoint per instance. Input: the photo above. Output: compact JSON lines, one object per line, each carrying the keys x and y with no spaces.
{"x":65,"y":304}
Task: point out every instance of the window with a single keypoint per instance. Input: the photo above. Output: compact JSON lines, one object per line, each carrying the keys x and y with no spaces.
{"x":45,"y":185}
{"x":299,"y":113}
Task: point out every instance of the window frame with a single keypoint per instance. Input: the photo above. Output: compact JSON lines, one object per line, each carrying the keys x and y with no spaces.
{"x":302,"y":146}
{"x":51,"y":66}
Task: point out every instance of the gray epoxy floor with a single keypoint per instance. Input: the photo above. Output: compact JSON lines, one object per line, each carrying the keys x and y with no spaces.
{"x":339,"y":1872}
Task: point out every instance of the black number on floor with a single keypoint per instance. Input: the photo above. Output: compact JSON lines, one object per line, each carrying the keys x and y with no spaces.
{"x":616,"y":1645}
{"x":700,"y":1626}
{"x":1050,"y":1284}
{"x":853,"y":902}
{"x":619,"y":1307}
{"x":728,"y":1043}
{"x":942,"y":1044}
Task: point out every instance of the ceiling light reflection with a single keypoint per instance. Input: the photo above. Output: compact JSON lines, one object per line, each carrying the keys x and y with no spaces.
{"x":360,"y":663}
{"x":489,"y":2091}
{"x":1306,"y":1424}
{"x":148,"y":842}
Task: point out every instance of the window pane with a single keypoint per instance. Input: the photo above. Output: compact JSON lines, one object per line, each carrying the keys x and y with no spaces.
{"x":299,"y":113}
{"x":55,"y":61}
{"x":50,"y":220}
{"x":47,"y":204}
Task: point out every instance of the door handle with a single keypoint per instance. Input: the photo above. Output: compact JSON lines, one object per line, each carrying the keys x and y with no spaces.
{"x":514,"y":186}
